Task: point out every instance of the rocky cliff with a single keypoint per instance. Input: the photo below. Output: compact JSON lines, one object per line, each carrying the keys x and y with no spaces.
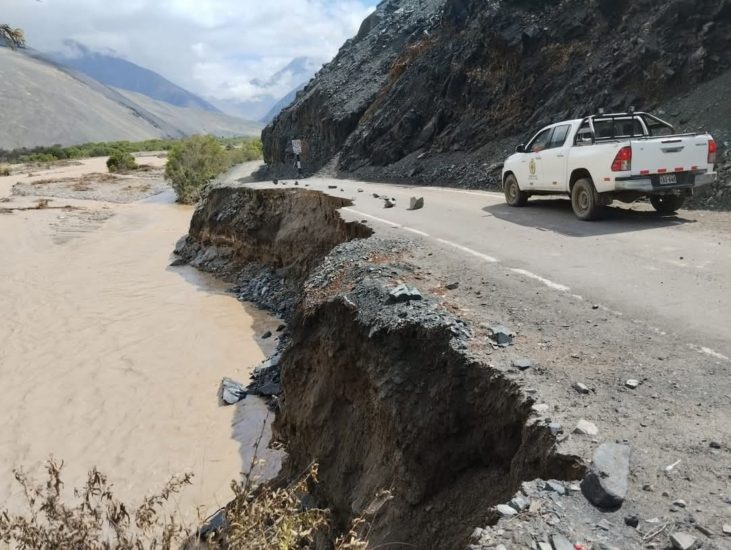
{"x":439,"y":90}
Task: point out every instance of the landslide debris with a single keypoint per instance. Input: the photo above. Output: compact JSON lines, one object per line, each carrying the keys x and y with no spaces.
{"x":409,"y":430}
{"x":266,"y":240}
{"x":442,"y":90}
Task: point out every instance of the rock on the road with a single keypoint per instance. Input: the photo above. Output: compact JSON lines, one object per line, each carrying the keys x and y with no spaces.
{"x":416,"y":204}
{"x":683,"y":541}
{"x":584,"y":427}
{"x":606,"y":483}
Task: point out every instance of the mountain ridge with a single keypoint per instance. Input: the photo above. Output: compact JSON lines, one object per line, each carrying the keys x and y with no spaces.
{"x":117,"y":72}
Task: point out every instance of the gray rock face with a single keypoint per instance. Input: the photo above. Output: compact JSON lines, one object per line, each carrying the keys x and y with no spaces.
{"x":408,"y":85}
{"x":606,"y":483}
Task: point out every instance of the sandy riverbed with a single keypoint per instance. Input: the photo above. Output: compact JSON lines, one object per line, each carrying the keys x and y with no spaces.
{"x":110,"y":358}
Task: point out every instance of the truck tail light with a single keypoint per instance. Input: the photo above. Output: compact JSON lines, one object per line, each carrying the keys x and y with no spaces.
{"x":623,"y":160}
{"x":712,"y":150}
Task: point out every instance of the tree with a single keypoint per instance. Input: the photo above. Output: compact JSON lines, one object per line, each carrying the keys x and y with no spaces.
{"x":193,"y":163}
{"x":12,"y":37}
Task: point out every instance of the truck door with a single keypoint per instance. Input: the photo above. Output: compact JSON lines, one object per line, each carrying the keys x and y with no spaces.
{"x":554,"y":160}
{"x":531,"y":174}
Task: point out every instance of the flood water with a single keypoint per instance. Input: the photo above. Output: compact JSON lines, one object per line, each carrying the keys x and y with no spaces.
{"x":110,"y":358}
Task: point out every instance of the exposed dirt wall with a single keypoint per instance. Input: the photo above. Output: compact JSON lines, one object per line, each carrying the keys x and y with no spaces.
{"x":382,"y":395}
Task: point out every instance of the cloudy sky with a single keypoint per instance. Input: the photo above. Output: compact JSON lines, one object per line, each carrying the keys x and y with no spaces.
{"x":212,"y":47}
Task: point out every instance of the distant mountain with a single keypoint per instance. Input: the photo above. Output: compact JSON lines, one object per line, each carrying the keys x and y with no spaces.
{"x":120,"y":73}
{"x":273,"y":93}
{"x":286,"y":101}
{"x":45,"y":103}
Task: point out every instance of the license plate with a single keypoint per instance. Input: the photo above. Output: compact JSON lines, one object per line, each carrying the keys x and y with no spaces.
{"x":669,"y":179}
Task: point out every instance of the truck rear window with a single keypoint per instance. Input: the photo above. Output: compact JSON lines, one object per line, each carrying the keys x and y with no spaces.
{"x":618,"y":128}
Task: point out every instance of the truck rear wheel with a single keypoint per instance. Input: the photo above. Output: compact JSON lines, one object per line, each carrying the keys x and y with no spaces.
{"x":667,"y":204}
{"x":585,"y":201}
{"x":513,"y":195}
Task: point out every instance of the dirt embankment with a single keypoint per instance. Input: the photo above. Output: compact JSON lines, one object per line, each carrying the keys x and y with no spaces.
{"x":409,"y":430}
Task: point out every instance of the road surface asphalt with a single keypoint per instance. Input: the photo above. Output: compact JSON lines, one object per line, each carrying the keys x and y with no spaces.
{"x":672,"y":274}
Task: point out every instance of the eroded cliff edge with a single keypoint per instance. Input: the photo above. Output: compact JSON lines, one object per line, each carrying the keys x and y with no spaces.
{"x":382,"y":394}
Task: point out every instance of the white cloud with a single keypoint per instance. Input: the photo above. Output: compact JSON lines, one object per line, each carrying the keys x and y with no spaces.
{"x":212,"y":47}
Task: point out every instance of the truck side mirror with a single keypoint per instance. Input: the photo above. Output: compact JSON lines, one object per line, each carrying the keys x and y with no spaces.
{"x":520,"y":148}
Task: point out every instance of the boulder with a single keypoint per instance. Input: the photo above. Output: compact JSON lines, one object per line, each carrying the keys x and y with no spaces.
{"x":416,"y":204}
{"x":501,"y":335}
{"x":606,"y":482}
{"x":584,"y":427}
{"x":404,"y":293}
{"x":683,"y":541}
{"x":230,"y":392}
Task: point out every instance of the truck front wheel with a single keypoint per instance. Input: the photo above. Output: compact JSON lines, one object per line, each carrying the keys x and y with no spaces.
{"x":513,"y":195}
{"x":585,"y":201}
{"x":667,"y":204}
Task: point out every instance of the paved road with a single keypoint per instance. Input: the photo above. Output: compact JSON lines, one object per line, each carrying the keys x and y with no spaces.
{"x":672,"y":274}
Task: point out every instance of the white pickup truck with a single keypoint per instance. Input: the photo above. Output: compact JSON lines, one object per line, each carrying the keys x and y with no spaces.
{"x":607,"y":157}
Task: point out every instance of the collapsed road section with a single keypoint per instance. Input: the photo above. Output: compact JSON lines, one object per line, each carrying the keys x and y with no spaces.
{"x":378,"y":386}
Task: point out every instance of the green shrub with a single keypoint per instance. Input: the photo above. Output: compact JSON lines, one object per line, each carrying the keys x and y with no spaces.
{"x":121,"y":161}
{"x":193,"y":163}
{"x":4,"y":170}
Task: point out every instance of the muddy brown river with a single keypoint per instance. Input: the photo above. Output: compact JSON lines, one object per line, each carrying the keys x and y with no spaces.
{"x":110,"y":358}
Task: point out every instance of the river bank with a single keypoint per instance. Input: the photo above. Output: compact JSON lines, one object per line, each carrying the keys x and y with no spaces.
{"x":108,"y":356}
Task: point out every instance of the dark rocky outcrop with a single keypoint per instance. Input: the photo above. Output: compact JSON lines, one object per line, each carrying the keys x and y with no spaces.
{"x":439,"y":90}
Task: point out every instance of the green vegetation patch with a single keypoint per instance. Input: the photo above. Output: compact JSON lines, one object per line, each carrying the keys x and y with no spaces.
{"x":194,"y":162}
{"x":121,"y":161}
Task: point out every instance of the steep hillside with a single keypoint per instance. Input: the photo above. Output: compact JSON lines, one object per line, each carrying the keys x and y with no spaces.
{"x":438,"y":90}
{"x":195,"y":121}
{"x":43,"y":103}
{"x":120,"y":73}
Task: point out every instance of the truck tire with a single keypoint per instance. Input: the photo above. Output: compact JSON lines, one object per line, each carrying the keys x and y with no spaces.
{"x":585,"y":201}
{"x":667,"y":204}
{"x":513,"y":195}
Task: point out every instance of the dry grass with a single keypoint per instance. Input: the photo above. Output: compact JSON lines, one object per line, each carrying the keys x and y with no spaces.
{"x":4,"y":170}
{"x":259,"y":518}
{"x":94,"y":520}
